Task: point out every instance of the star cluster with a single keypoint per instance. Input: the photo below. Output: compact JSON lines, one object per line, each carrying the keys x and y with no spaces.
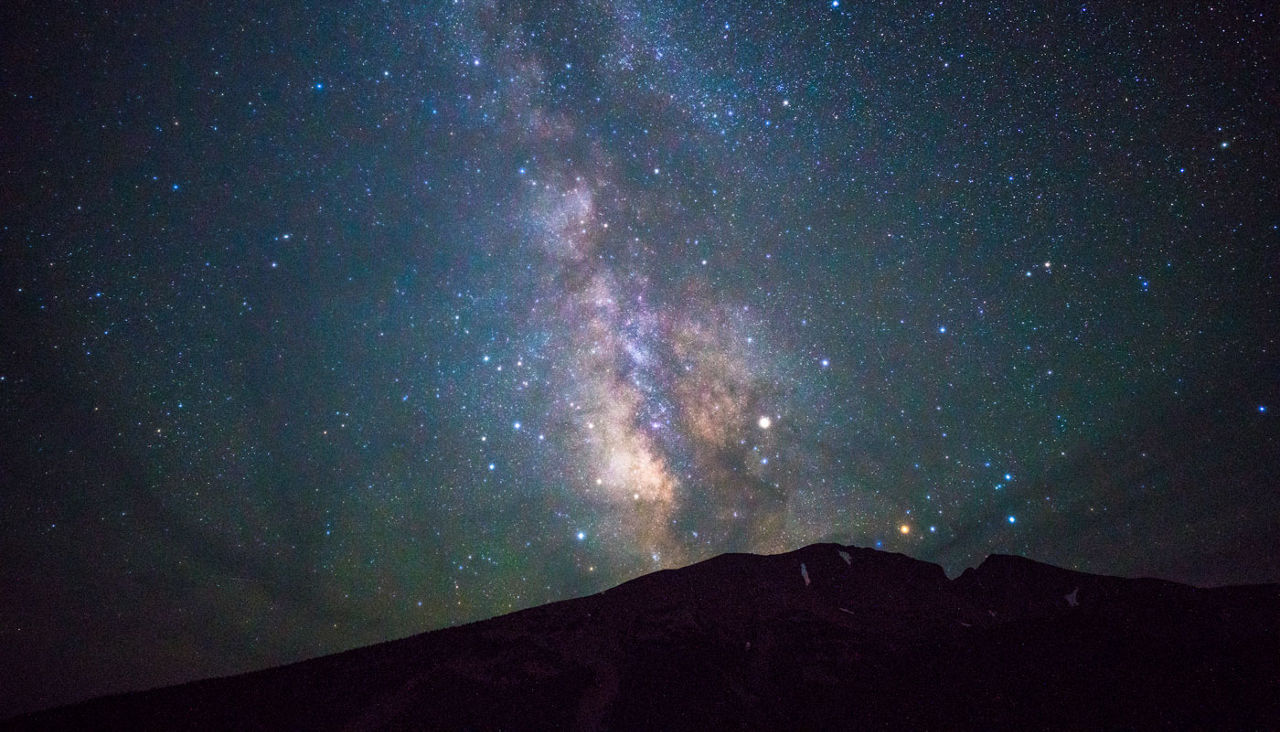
{"x":329,"y":325}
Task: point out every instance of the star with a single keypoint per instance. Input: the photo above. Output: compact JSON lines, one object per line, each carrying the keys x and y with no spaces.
{"x":363,"y":281}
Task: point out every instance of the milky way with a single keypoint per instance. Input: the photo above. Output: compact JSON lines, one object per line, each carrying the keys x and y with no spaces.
{"x":655,"y":384}
{"x":328,"y":326}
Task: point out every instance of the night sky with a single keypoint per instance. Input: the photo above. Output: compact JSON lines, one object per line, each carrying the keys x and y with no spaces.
{"x":324,"y":326}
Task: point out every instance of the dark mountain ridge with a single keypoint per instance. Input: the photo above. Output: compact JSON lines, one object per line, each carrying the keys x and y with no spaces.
{"x":825,"y":636}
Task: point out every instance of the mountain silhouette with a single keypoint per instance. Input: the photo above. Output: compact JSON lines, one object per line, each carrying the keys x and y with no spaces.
{"x":824,"y":637}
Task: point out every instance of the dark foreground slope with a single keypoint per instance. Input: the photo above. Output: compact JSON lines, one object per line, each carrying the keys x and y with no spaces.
{"x":826,"y":636}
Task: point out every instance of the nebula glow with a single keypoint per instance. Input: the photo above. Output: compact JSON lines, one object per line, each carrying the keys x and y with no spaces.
{"x":331,"y":326}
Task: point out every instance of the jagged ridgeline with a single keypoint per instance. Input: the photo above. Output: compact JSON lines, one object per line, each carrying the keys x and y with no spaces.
{"x":824,"y":637}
